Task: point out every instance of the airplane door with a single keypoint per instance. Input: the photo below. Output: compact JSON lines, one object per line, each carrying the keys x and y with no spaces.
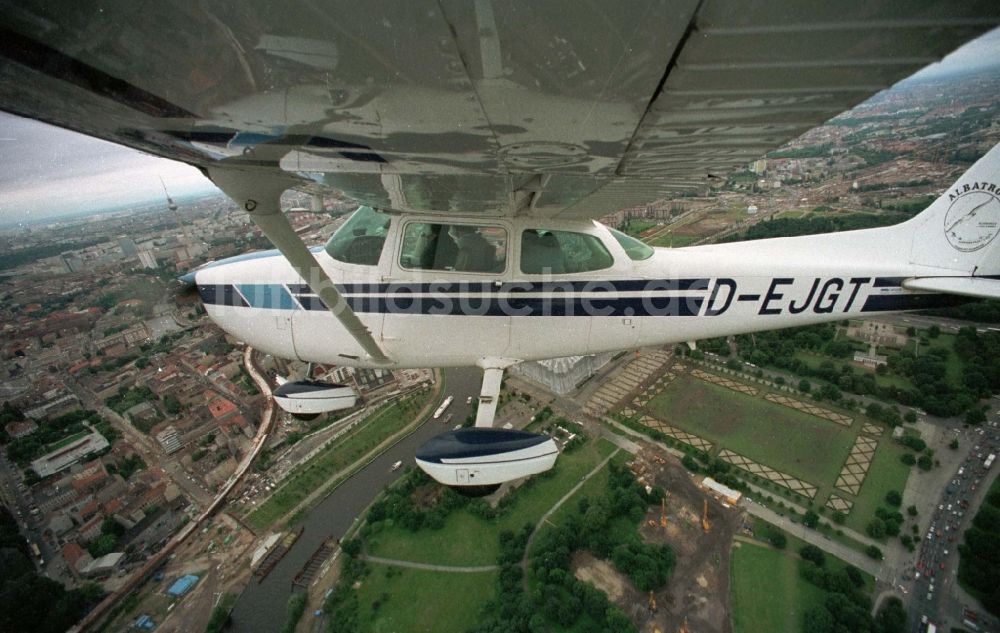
{"x":443,"y":294}
{"x":613,"y":332}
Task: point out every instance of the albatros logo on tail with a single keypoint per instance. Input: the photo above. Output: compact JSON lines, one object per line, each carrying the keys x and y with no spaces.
{"x":973,"y":219}
{"x":958,"y":231}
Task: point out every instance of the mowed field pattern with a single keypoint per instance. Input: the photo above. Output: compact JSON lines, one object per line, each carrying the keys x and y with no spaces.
{"x":787,"y":440}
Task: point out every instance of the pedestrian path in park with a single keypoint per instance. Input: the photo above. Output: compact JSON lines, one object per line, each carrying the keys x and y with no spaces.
{"x":811,"y":409}
{"x":782,"y":479}
{"x":626,"y":382}
{"x":858,"y":463}
{"x":738,"y":387}
{"x":681,"y":436}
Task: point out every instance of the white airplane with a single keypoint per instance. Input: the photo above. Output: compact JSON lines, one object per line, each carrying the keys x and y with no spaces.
{"x":481,"y":140}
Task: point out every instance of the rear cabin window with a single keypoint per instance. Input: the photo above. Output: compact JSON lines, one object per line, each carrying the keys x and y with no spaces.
{"x":455,"y":247}
{"x":360,"y":239}
{"x":559,"y":252}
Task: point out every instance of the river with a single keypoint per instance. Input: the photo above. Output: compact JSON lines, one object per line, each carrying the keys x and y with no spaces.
{"x":261,"y":607}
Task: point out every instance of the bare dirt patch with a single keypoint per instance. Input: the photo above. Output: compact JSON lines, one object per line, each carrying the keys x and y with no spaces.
{"x":602,"y":575}
{"x":698,"y":589}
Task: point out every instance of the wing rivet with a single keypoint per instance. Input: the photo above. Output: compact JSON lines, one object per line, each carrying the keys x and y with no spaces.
{"x":250,"y":205}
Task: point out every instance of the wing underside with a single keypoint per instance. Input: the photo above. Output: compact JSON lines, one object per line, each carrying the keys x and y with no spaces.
{"x":559,"y":108}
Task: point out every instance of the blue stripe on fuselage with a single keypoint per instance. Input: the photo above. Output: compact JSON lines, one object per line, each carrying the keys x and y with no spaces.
{"x":626,"y":285}
{"x":467,"y":303}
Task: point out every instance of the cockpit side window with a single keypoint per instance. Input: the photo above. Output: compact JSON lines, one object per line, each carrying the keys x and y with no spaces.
{"x":558,"y":252}
{"x":457,"y":247}
{"x":360,"y":239}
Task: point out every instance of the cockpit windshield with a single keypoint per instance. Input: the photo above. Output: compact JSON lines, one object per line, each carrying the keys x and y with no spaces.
{"x":636,"y":250}
{"x":361,"y":238}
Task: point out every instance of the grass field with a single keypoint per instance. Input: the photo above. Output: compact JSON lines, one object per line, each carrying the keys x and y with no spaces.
{"x":396,"y":599}
{"x":674,"y":241}
{"x":771,"y":434}
{"x":467,"y":539}
{"x":320,"y":470}
{"x":635,"y":227}
{"x":814,"y":360}
{"x":767,"y":593}
{"x":885,"y":473}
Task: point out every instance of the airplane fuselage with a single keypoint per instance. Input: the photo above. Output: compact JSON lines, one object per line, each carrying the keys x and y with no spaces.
{"x":437,"y":318}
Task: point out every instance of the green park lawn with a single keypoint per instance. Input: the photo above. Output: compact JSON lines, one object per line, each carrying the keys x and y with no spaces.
{"x":814,"y":360}
{"x":802,"y":445}
{"x":767,"y":592}
{"x":467,"y":539}
{"x":595,"y":487}
{"x":399,"y":599}
{"x":322,"y":469}
{"x":674,"y":241}
{"x":885,"y":473}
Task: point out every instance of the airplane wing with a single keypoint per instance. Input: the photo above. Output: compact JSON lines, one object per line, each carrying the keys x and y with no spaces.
{"x":557,"y":108}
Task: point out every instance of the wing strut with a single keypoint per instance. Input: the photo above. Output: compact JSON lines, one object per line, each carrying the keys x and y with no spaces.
{"x":488,"y":396}
{"x":260,"y":197}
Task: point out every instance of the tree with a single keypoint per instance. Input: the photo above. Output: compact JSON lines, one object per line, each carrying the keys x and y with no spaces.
{"x":813,"y":554}
{"x":103,"y":544}
{"x":810,"y":519}
{"x":874,"y":552}
{"x":804,"y":386}
{"x":857,"y":579}
{"x":876,"y":528}
{"x":975,"y":416}
{"x":778,"y":539}
{"x":912,"y":511}
{"x":934,"y":331}
{"x":954,"y":444}
{"x":893,"y":498}
{"x":910,"y":416}
{"x":690,"y":463}
{"x":891,"y":618}
{"x":172,"y":404}
{"x":908,"y":459}
{"x":925,"y":462}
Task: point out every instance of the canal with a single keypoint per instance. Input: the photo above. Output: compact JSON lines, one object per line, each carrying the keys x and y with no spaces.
{"x":261,"y":607}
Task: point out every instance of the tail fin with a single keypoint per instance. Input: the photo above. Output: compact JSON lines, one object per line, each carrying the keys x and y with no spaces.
{"x":959,"y":231}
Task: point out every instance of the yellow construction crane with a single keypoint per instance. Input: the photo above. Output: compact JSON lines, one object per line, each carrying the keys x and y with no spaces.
{"x":704,"y":517}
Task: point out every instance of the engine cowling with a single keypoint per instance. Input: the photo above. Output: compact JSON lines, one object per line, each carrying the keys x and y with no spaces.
{"x":480,"y":459}
{"x":306,"y":399}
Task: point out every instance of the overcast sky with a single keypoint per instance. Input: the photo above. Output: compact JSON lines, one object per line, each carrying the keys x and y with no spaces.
{"x":47,"y":172}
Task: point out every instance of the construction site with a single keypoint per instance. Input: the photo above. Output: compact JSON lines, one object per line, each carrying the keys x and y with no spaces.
{"x":217,"y":556}
{"x":699,"y":526}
